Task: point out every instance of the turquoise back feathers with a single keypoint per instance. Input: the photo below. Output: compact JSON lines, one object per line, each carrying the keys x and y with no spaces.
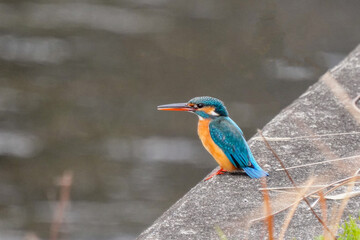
{"x":220,"y":135}
{"x":229,"y":137}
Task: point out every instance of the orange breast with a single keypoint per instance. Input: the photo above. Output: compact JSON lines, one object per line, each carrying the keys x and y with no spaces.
{"x":211,"y":147}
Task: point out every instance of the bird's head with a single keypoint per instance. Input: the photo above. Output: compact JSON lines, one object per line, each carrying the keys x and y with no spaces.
{"x":204,"y":107}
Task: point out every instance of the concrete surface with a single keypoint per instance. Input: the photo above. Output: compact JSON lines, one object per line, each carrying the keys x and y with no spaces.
{"x":322,"y":124}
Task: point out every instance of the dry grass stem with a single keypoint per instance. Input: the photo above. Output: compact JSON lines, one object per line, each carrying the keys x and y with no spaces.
{"x":323,"y":207}
{"x":354,"y":103}
{"x":275,"y":139}
{"x":341,"y":94}
{"x":321,"y":145}
{"x":269,"y":221}
{"x":337,"y":218}
{"x":281,"y":191}
{"x":317,"y":163}
{"x":343,"y":195}
{"x":31,"y":236}
{"x":65,"y":186}
{"x":292,"y":188}
{"x":293,"y":209}
{"x":293,"y":182}
{"x":336,"y":185}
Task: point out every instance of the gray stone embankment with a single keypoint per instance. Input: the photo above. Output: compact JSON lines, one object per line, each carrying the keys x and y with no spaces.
{"x":317,"y":137}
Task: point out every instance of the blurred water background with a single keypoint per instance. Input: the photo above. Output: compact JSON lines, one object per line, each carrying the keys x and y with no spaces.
{"x":80,"y":82}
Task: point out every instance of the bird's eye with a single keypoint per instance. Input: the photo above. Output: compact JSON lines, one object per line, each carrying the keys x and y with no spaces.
{"x":200,"y":105}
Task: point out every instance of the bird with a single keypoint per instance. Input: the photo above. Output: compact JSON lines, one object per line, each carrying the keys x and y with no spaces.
{"x":220,"y":136}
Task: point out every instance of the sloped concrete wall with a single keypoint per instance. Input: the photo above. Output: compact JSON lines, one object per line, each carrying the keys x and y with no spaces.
{"x":321,"y":125}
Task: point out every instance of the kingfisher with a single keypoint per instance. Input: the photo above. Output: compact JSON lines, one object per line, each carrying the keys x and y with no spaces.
{"x":220,"y":135}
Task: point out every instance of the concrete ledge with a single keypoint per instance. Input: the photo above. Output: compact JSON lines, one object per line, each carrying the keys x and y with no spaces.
{"x":323,"y":124}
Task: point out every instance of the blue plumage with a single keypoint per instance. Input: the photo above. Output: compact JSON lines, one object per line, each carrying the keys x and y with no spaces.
{"x":220,"y":135}
{"x":229,"y":137}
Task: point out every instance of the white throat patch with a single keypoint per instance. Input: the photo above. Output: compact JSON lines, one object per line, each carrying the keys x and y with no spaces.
{"x":213,"y":113}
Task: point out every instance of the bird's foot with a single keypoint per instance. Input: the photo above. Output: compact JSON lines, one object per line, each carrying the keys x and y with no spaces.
{"x":221,"y":171}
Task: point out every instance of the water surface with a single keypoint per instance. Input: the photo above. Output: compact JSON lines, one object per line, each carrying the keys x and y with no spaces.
{"x":80,"y":82}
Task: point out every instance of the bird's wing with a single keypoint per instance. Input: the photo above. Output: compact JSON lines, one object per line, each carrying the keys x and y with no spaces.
{"x":228,"y":136}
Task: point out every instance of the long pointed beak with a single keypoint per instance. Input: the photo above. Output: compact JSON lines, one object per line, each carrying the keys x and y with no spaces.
{"x":175,"y":107}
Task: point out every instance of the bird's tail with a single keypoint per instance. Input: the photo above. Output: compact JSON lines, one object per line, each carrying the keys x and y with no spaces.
{"x":255,"y":172}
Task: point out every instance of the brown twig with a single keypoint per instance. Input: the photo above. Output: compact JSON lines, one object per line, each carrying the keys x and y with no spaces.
{"x":295,"y":185}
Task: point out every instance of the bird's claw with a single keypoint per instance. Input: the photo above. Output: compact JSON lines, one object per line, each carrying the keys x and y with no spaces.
{"x":220,"y":172}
